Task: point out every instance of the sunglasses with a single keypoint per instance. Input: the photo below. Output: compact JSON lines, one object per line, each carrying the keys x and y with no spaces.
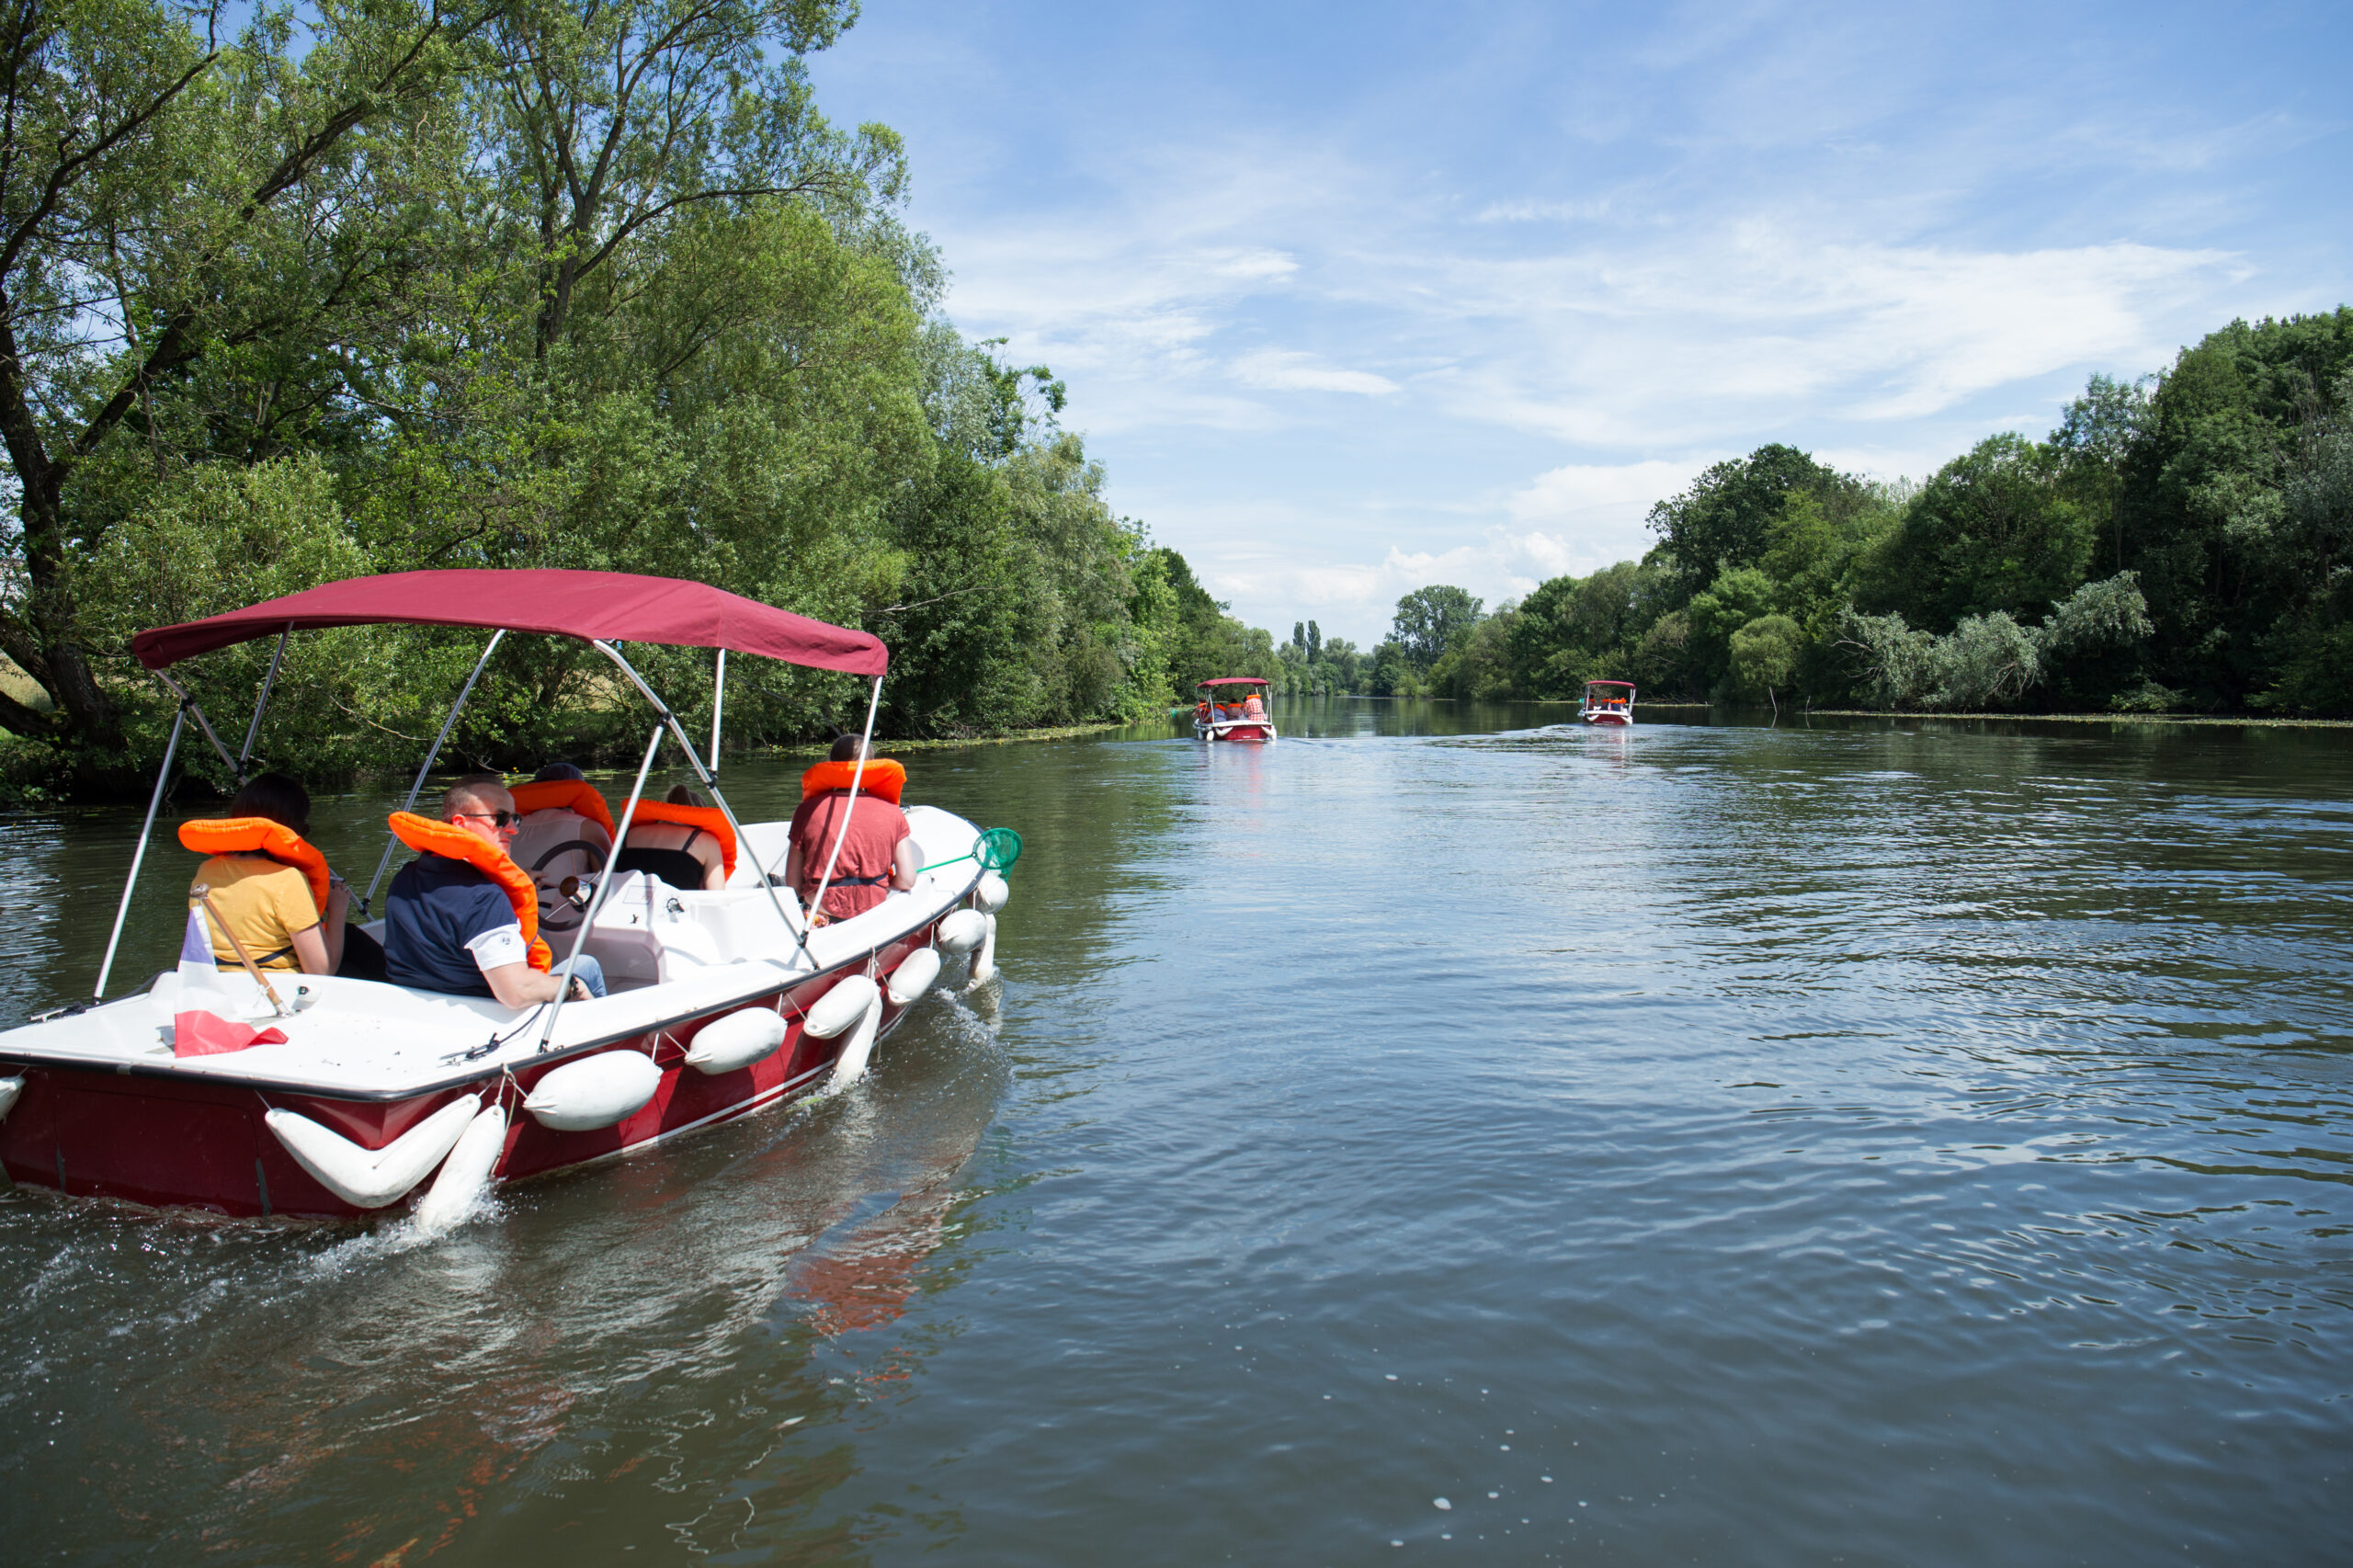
{"x":496,"y":819}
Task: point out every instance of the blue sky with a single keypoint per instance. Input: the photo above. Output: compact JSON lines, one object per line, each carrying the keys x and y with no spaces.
{"x":1351,"y":298}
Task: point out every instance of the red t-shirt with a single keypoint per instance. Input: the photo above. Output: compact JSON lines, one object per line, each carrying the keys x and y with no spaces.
{"x":876,"y":828}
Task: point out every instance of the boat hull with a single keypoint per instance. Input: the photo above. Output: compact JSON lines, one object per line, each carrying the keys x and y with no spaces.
{"x":167,"y":1142}
{"x":1612,"y":721}
{"x":1234,"y":732}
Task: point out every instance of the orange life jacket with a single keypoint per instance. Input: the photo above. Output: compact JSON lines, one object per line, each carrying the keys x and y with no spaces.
{"x":564,"y":795}
{"x":259,"y":835}
{"x":883,"y":778}
{"x":710,"y":819}
{"x":429,"y":837}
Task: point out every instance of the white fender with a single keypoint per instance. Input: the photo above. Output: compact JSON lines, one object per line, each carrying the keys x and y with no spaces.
{"x":593,"y":1092}
{"x":984,"y":961}
{"x":993,"y":894}
{"x":11,"y":1087}
{"x":913,"y":976}
{"x":370,"y":1178}
{"x":840,"y":1007}
{"x":737,"y":1041}
{"x":465,"y":1172}
{"x":962,"y":931}
{"x":850,"y":1065}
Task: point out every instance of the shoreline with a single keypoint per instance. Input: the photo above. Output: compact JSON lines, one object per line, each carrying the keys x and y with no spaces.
{"x":362,"y":785}
{"x":1012,"y":737}
{"x":2187,"y":720}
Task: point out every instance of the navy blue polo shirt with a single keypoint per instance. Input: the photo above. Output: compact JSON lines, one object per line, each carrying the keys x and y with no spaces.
{"x":436,"y":906}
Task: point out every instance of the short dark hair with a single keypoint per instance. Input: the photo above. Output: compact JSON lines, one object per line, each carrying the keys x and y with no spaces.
{"x":549,"y":772}
{"x":845,"y":748}
{"x":277,"y":797}
{"x":682,"y":796}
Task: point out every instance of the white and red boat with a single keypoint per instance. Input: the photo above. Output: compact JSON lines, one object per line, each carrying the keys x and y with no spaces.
{"x":1232,"y":707}
{"x":720,"y":1003}
{"x":1609,"y":703}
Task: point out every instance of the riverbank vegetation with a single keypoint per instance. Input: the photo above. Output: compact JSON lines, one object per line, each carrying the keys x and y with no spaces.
{"x":2179,"y":544}
{"x":545,"y":283}
{"x":531,"y":283}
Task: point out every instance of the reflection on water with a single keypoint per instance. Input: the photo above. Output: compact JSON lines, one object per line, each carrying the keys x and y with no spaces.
{"x":1716,"y":1143}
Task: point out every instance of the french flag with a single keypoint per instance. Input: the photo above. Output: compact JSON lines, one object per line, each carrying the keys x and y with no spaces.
{"x":197,"y":1030}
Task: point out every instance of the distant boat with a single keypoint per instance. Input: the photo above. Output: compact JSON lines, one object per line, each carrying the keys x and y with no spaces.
{"x":1609,"y":703}
{"x":1243,"y":717}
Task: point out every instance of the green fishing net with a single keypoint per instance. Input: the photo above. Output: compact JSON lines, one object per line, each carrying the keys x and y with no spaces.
{"x":999,"y":849}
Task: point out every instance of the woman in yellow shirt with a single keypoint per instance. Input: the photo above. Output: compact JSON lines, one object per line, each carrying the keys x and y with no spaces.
{"x":267,"y":902}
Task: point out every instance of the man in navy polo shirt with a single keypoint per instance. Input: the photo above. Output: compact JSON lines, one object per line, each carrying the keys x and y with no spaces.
{"x":450,"y":927}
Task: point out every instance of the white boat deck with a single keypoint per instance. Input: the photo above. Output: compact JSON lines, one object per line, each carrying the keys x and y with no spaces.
{"x":667,"y":954}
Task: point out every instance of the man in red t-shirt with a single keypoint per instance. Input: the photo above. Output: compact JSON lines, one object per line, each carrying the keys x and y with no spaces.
{"x":878,"y":853}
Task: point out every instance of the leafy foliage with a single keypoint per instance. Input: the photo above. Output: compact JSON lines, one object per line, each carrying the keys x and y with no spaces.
{"x":2180,"y":542}
{"x":543,"y":283}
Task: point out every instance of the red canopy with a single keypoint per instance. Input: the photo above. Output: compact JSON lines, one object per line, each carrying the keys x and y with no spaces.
{"x":612,"y":606}
{"x":1627,"y":684}
{"x":1234,"y":680}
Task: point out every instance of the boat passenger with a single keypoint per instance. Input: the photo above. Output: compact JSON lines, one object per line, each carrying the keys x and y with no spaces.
{"x":1251,"y":707}
{"x":558,"y":840}
{"x":878,"y":853}
{"x":450,"y":927}
{"x":553,"y":841}
{"x":685,"y":855}
{"x":267,"y":904}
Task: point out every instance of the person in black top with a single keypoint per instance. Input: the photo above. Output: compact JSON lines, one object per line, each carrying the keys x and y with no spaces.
{"x":450,"y":927}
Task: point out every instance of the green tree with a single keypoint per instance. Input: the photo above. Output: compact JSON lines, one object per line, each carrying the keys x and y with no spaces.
{"x":1762,"y":660}
{"x":1479,"y":666}
{"x":1430,"y":621}
{"x":2094,"y":435}
{"x":1993,"y":530}
{"x":1731,"y":602}
{"x":2236,"y":589}
{"x":1721,"y":523}
{"x":158,"y":180}
{"x":1991,"y":660}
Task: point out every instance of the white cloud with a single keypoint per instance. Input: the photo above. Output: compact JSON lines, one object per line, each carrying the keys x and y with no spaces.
{"x":1582,"y":493}
{"x":1274,"y":586}
{"x":1322,"y":344}
{"x":1542,"y":211}
{"x":1281,"y":370}
{"x":1729,"y":336}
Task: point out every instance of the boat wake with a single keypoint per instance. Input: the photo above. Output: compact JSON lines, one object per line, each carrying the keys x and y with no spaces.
{"x":404,"y":1235}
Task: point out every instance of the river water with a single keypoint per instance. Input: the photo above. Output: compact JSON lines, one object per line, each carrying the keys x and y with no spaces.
{"x":1435,"y":1137}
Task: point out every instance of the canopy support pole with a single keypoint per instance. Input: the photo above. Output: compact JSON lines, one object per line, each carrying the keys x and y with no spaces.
{"x":392,"y":841}
{"x":252,"y":731}
{"x":202,"y":723}
{"x":718,"y":696}
{"x":604,"y":885}
{"x":873,"y":701}
{"x":138,"y":856}
{"x":743,"y":843}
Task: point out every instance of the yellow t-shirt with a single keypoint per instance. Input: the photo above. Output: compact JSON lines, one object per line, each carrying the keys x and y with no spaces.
{"x":264,"y":902}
